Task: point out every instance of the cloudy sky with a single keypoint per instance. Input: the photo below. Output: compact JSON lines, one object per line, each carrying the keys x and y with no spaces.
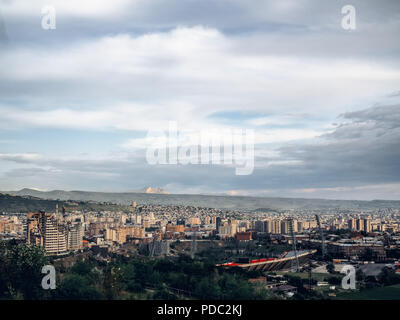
{"x":77,"y":102}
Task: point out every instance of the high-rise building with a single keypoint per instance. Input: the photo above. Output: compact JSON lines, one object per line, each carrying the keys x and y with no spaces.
{"x":267,"y":226}
{"x":218,"y":222}
{"x":74,"y":236}
{"x":227,"y":230}
{"x":300,"y":226}
{"x":275,"y":226}
{"x":351,"y":224}
{"x":359,"y":225}
{"x":259,"y":226}
{"x":138,"y":219}
{"x":194,"y":221}
{"x":44,"y":229}
{"x":367,"y":225}
{"x":285,"y":226}
{"x":207,"y":220}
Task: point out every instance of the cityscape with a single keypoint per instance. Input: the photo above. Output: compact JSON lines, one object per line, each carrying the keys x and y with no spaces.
{"x":278,"y":254}
{"x":199,"y":158}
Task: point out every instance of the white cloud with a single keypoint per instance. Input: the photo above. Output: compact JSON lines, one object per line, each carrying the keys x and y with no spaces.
{"x":87,"y":8}
{"x":125,"y":67}
{"x":184,"y":75}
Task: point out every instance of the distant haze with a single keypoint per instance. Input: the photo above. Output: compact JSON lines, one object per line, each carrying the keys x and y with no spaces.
{"x":222,"y":202}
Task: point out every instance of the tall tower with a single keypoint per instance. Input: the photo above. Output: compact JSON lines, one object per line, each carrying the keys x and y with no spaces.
{"x":44,"y":229}
{"x":74,"y":236}
{"x":367,"y":225}
{"x":55,"y":241}
{"x":322,"y":236}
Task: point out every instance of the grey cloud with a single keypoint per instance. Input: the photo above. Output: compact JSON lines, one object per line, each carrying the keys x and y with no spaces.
{"x":365,"y":150}
{"x":383,"y":116}
{"x":310,"y":27}
{"x":20,"y":158}
{"x":3,"y":32}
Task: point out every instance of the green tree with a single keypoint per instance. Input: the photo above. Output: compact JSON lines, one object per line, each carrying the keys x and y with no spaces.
{"x":235,"y":288}
{"x":77,"y":287}
{"x":368,"y":255}
{"x":388,"y":276}
{"x":330,"y":268}
{"x":360,"y":275}
{"x":207,"y":289}
{"x":334,"y":280}
{"x":21,"y":268}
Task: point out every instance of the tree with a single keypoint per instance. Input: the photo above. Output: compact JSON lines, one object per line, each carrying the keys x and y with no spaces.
{"x":388,"y":276}
{"x":207,"y":289}
{"x":21,"y":268}
{"x":368,"y":255}
{"x":235,"y":288}
{"x":77,"y":287}
{"x":82,"y":268}
{"x":164,"y":294}
{"x":330,"y":268}
{"x":360,"y":275}
{"x":334,"y":280}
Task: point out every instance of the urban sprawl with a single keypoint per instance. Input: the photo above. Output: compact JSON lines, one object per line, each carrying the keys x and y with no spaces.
{"x":293,"y":238}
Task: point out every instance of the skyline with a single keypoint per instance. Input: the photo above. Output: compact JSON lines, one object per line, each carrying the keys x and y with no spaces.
{"x":77,"y":102}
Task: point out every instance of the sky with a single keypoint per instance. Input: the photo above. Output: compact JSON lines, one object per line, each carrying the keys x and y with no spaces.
{"x":78,"y":102}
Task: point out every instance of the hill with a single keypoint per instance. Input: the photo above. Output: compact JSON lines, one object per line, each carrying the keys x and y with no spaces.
{"x":211,"y":201}
{"x":14,"y":204}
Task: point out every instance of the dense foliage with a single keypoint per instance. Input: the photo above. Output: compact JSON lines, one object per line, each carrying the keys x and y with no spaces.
{"x":120,"y":278}
{"x":20,"y":271}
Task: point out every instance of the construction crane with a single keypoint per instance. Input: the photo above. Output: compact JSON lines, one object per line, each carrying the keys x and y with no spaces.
{"x":309,"y":262}
{"x":322,"y":236}
{"x":296,"y":268}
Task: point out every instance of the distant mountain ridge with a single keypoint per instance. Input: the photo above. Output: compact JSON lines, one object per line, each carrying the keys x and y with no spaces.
{"x":14,"y":204}
{"x":210,"y":201}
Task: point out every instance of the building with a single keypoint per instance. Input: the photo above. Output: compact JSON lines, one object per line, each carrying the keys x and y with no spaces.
{"x":275,"y":226}
{"x":120,"y":234}
{"x":227,"y":230}
{"x":359,"y":225}
{"x":287,"y":225}
{"x":175,"y":228}
{"x":194,"y":221}
{"x":356,"y":250}
{"x":367,"y":225}
{"x":46,"y":230}
{"x":136,"y":232}
{"x":262,"y":226}
{"x":74,"y":236}
{"x":218,"y":222}
{"x":300,"y":226}
{"x":243,"y":236}
{"x":95,"y":228}
{"x":6,"y":226}
{"x":351,"y":224}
